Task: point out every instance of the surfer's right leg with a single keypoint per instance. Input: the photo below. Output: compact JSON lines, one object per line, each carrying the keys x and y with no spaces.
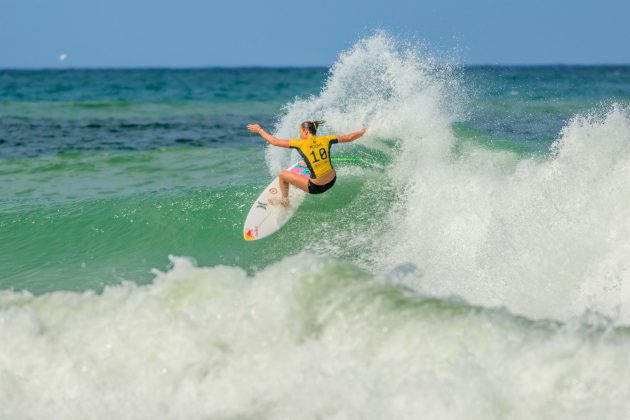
{"x":287,"y":178}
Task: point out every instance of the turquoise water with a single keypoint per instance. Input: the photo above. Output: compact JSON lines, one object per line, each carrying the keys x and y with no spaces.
{"x":471,"y":261}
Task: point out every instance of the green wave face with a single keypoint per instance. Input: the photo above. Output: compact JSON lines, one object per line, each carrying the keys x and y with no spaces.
{"x":81,"y":221}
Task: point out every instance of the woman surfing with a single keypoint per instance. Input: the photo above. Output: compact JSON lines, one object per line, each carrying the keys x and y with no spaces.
{"x":315,"y":151}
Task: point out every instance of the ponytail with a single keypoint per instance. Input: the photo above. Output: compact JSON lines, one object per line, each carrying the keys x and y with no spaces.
{"x":311,"y":126}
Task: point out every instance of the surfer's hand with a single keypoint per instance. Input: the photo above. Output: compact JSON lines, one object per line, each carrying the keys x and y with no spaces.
{"x":254,"y":128}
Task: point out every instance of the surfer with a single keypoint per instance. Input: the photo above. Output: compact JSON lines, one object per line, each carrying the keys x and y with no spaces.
{"x":315,"y":151}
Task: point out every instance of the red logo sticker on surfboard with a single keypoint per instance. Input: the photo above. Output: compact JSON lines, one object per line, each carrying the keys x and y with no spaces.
{"x":272,"y":190}
{"x":251,"y":234}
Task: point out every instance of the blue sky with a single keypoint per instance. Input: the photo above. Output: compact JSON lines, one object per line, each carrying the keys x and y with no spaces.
{"x":193,"y":33}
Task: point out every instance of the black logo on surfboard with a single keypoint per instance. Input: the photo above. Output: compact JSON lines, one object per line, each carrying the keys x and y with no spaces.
{"x":261,"y":205}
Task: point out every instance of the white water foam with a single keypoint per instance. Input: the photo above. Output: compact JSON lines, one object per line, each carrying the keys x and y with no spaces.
{"x":307,"y":338}
{"x":548,"y":239}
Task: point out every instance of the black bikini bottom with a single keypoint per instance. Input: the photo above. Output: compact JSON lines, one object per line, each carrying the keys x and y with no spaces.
{"x":318,"y":189}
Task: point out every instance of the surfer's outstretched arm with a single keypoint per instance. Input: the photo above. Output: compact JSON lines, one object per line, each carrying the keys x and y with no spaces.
{"x":255,"y":128}
{"x":344,"y":138}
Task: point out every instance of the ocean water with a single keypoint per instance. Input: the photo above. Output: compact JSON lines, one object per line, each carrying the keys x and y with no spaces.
{"x":472,"y":261}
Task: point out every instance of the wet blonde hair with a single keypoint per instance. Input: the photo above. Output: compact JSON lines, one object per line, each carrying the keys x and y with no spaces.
{"x":311,"y":126}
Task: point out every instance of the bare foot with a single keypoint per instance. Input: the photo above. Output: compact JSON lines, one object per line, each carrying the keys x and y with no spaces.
{"x":279,"y":201}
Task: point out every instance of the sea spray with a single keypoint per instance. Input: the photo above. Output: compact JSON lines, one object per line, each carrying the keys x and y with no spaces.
{"x":385,"y":85}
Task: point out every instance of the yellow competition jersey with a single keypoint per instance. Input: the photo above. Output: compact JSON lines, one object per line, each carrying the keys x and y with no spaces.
{"x":316,"y":153}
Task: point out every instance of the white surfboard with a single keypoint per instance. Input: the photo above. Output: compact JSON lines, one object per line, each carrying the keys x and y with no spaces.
{"x":265,"y":219}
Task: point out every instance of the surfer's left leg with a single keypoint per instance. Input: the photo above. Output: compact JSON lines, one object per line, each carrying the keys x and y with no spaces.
{"x":291,"y":178}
